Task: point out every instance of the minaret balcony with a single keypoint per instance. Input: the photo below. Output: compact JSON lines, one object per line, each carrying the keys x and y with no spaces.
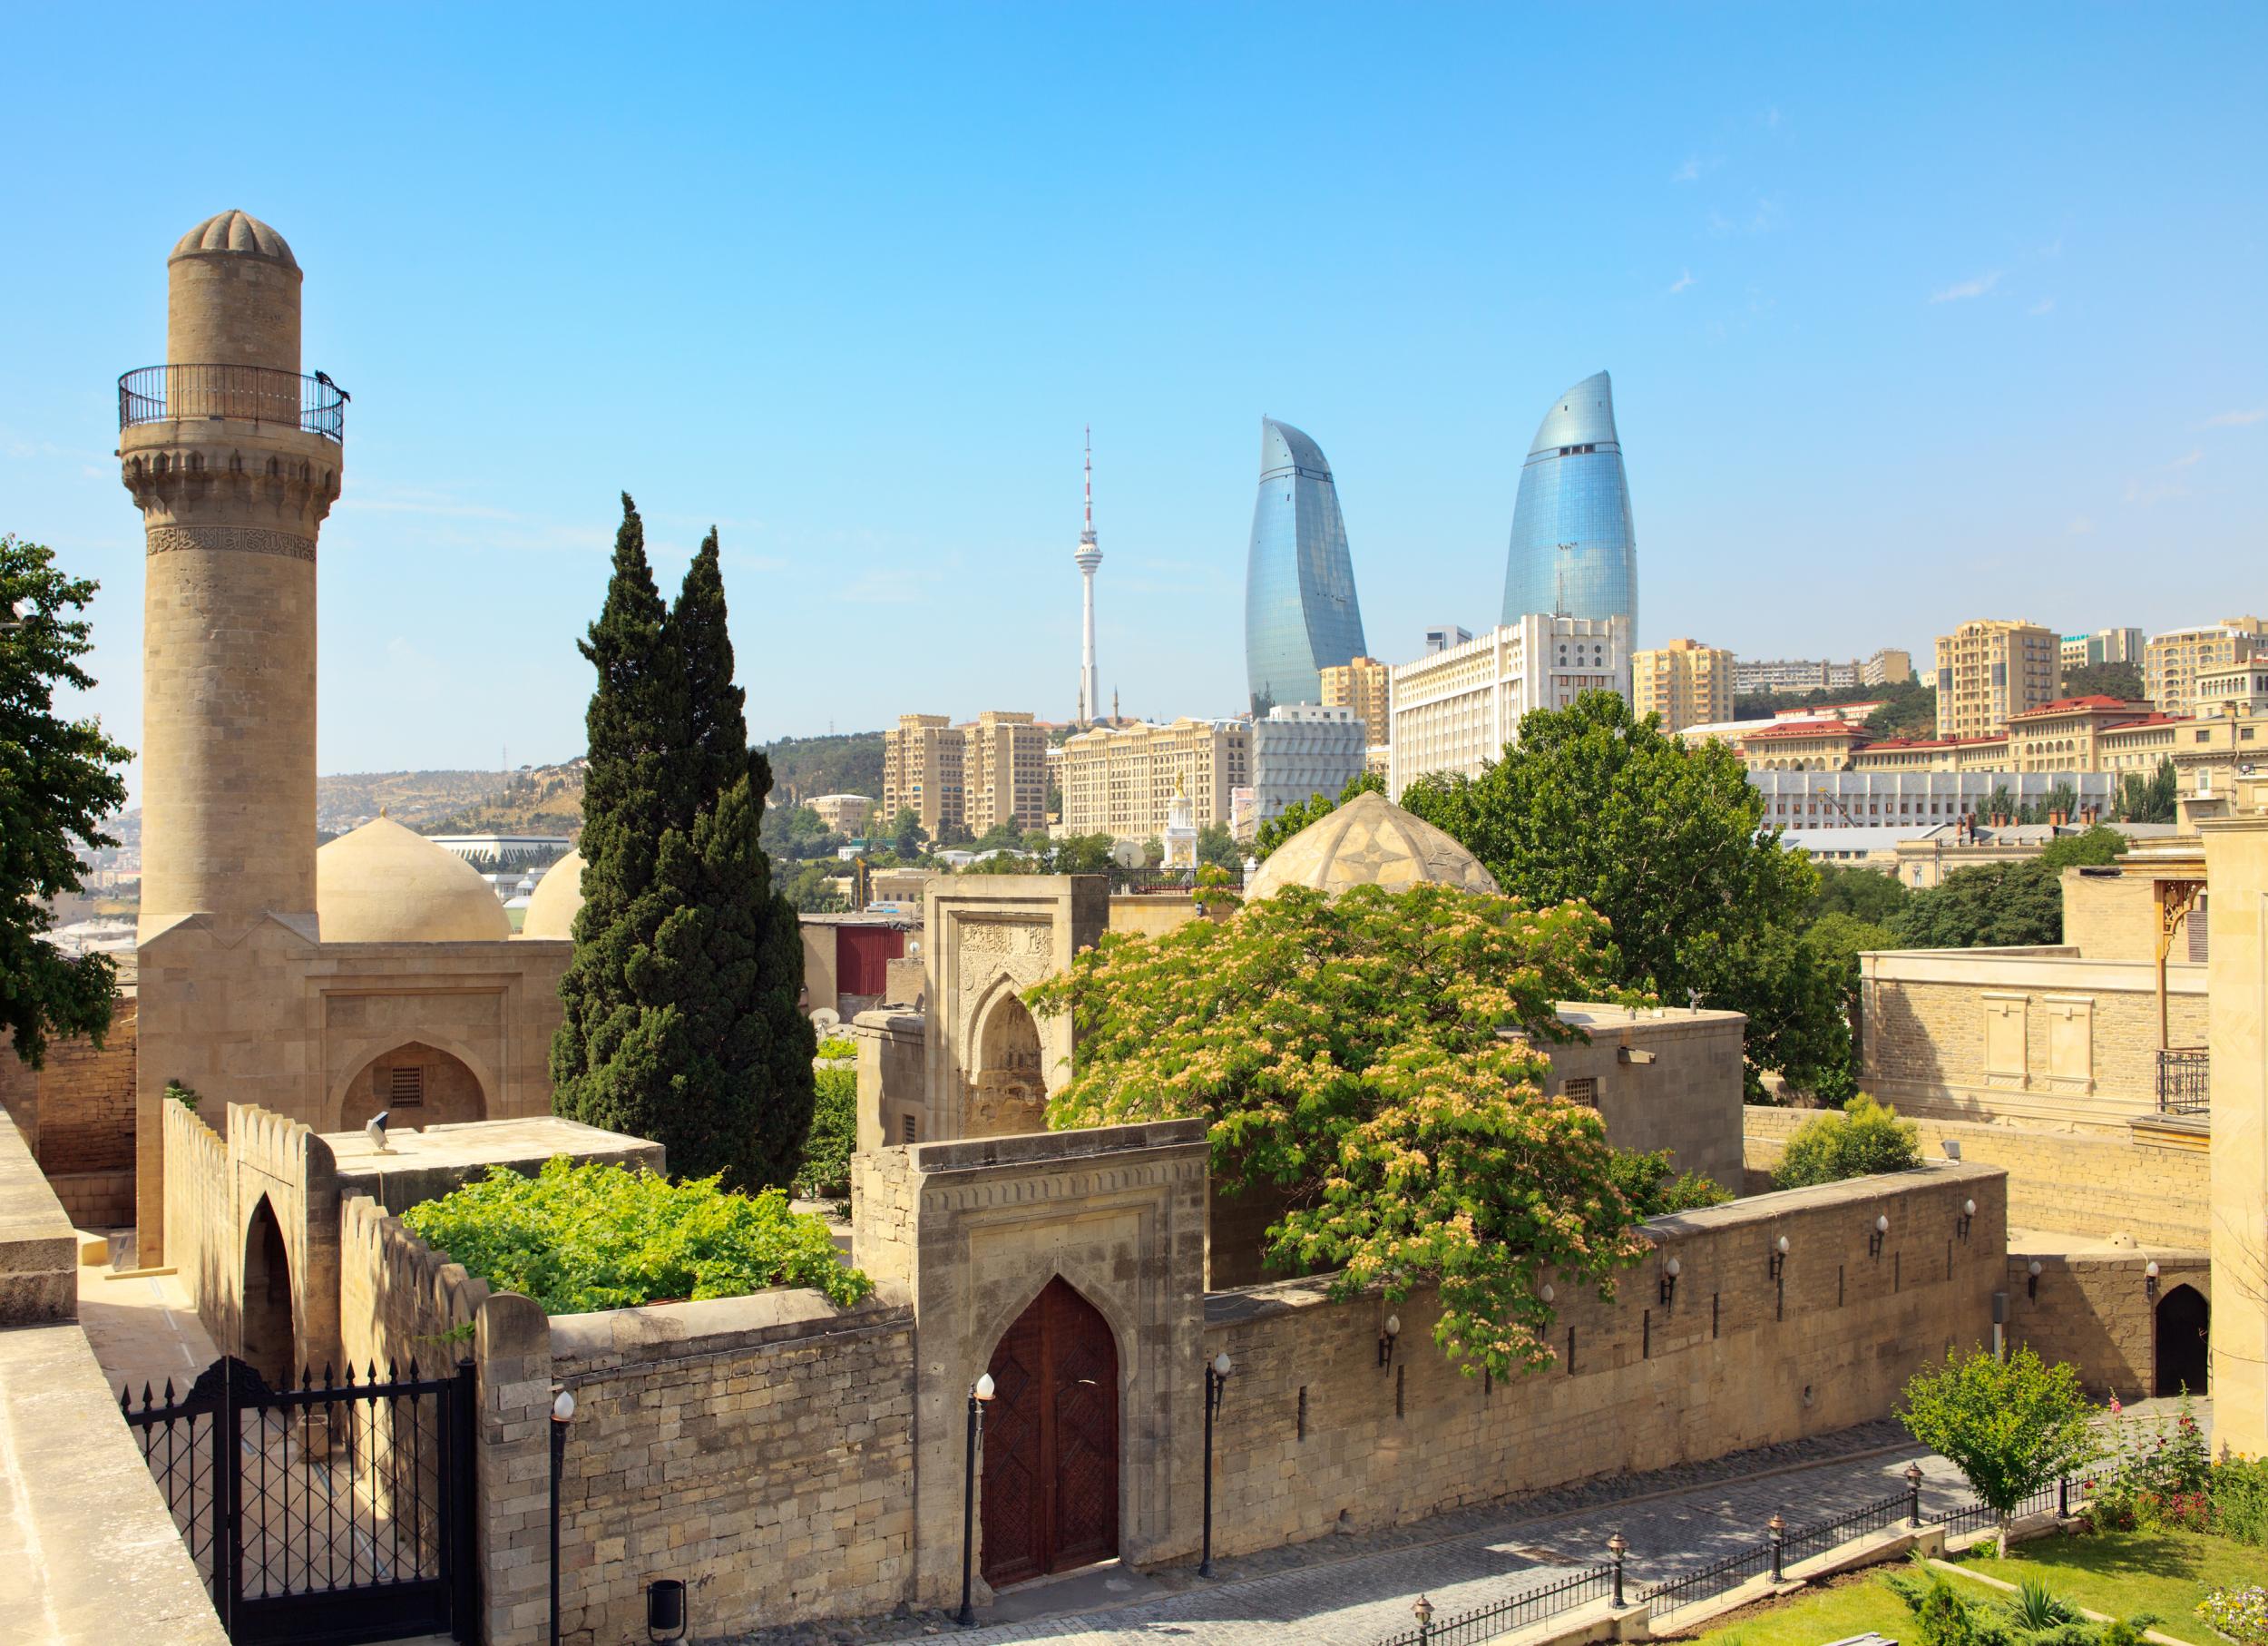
{"x":244,"y":394}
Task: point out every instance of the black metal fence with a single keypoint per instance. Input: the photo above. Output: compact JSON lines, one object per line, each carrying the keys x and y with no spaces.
{"x":1469,"y":1628}
{"x":251,"y":394}
{"x":334,"y":1513}
{"x":1778,"y":1550}
{"x":2185,"y":1080}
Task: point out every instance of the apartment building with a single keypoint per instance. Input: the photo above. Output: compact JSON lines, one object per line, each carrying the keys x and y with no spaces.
{"x":1991,"y":669}
{"x":1890,"y":666}
{"x":986,"y":772}
{"x":2172,"y":662}
{"x":1364,"y":685}
{"x":1685,"y":682}
{"x":1455,"y":710}
{"x":2103,"y":646}
{"x":1119,"y":780}
{"x":1300,"y":751}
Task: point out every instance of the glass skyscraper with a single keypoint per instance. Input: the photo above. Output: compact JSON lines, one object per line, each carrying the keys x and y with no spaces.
{"x":1574,"y":553}
{"x":1301,"y":616}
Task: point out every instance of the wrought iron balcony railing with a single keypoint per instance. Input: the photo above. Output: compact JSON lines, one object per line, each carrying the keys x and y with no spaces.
{"x":252,"y":393}
{"x":2185,"y":1080}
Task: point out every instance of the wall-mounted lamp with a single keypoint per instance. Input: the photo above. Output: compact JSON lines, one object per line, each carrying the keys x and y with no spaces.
{"x":1779,"y":1256}
{"x":1881,"y":1233}
{"x":1961,"y":1224}
{"x":980,"y":1395}
{"x":563,"y":1414}
{"x":1386,"y":1337}
{"x":1548,"y":1294}
{"x":2149,"y":1277}
{"x":2031,"y":1279}
{"x":1631,"y":1055}
{"x":665,"y":1610}
{"x":1671,"y":1269}
{"x":1216,"y":1391}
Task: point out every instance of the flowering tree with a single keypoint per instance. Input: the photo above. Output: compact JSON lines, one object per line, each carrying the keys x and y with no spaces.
{"x":1375,"y":1055}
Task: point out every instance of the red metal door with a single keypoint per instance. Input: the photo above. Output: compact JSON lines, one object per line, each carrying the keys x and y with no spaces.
{"x":1051,"y":1441}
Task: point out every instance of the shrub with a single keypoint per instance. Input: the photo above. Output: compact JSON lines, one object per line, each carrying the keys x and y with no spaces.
{"x":838,"y":1045}
{"x":2239,"y":1499}
{"x":2162,"y":1478}
{"x":2242,"y":1614}
{"x":824,"y":1174}
{"x":2011,"y":1425}
{"x":581,"y":1238}
{"x":2037,"y":1608}
{"x":1940,"y":1616}
{"x":184,"y":1096}
{"x":1648,"y":1183}
{"x":1865,"y":1138}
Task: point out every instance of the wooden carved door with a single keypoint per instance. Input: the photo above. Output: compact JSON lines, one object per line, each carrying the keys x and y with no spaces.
{"x":1051,"y":1441}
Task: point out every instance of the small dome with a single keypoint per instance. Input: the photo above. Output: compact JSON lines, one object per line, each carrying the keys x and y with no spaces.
{"x":383,"y":883}
{"x":552,"y":904}
{"x":1369,"y":841}
{"x":236,"y":232}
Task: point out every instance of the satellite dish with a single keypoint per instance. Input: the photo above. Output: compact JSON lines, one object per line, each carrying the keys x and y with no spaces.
{"x":375,"y":1130}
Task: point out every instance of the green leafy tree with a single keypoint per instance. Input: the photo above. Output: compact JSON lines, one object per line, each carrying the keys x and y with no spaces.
{"x":2149,"y":799}
{"x":824,"y":1174}
{"x":2011,"y":1425}
{"x":2097,"y":845}
{"x":952,"y":831}
{"x":1866,"y":894}
{"x":1909,"y":711}
{"x":1002,"y":836}
{"x":1593,"y":805}
{"x":1864,"y":1139}
{"x":1288,"y":822}
{"x":680,"y":1020}
{"x":58,"y":780}
{"x":2121,"y":680}
{"x":1352,"y":1054}
{"x":1837,"y":940}
{"x":1988,"y":905}
{"x":908,"y":837}
{"x":576,"y":1239}
{"x":1215,"y":846}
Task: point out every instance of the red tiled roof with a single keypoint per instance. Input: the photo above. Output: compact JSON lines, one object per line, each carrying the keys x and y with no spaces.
{"x":1808,"y":729}
{"x":2072,"y":705}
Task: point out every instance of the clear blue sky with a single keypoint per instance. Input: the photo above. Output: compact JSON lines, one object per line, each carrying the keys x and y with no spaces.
{"x":1914,"y":314}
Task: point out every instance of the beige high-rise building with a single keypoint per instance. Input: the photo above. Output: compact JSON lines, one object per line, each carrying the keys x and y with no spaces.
{"x":1364,"y":685}
{"x":1121,"y":780}
{"x":1890,"y":666}
{"x":1685,"y":682}
{"x":1989,"y":669}
{"x":989,"y":770}
{"x":2172,"y":661}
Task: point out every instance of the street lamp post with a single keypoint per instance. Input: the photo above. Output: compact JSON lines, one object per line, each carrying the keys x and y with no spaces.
{"x":563,"y":1414}
{"x":980,"y":1392}
{"x":1215,"y":1386}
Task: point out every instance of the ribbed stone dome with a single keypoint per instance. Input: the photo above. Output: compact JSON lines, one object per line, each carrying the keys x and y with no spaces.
{"x":552,"y":906}
{"x":1369,"y":841}
{"x":383,"y":883}
{"x":236,"y":232}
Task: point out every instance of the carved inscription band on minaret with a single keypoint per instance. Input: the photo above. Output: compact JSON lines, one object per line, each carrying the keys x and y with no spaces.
{"x":242,"y":539}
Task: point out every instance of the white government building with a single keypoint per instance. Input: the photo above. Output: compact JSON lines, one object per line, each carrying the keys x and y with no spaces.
{"x":1455,"y":710}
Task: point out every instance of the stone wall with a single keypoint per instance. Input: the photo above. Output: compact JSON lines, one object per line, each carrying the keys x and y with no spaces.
{"x":1316,"y":1434}
{"x":2092,"y":1308}
{"x":400,"y":1301}
{"x":759,"y":1448}
{"x":77,"y":1115}
{"x":39,"y":1250}
{"x":2032,"y":1037}
{"x":2153,"y":1186}
{"x":1661,"y":1080}
{"x":198,"y":1215}
{"x":893,"y":1077}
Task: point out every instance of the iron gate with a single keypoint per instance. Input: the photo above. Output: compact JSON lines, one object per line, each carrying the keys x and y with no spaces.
{"x":325,"y":1515}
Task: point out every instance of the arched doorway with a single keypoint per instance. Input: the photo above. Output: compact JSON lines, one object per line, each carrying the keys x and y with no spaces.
{"x":413,"y":1084}
{"x":1051,"y":1441}
{"x":1009,"y":1092}
{"x":264,"y":1334}
{"x":2182,"y":1318}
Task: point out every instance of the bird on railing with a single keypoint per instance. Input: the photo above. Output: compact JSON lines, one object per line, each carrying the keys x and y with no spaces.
{"x":325,"y":379}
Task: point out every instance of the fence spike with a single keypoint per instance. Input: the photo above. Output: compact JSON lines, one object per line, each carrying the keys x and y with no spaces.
{"x":326,"y":1374}
{"x":372,"y":1376}
{"x":393,"y":1372}
{"x":413,"y":1368}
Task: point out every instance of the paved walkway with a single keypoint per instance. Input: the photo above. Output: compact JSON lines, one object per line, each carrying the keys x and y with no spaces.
{"x":1355,"y":1592}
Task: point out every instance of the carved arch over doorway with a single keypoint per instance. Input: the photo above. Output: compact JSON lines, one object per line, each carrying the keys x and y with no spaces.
{"x":1008,"y":1089}
{"x":418,"y":1084}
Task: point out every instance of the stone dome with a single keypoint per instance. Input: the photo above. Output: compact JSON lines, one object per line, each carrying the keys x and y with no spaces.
{"x":552,"y":904}
{"x":236,"y":232}
{"x":1369,"y":841}
{"x":383,"y":883}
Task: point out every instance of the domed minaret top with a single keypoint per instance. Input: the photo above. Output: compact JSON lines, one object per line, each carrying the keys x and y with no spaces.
{"x":238,"y":231}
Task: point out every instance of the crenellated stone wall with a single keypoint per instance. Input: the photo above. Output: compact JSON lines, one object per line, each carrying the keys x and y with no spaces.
{"x":401,"y":1301}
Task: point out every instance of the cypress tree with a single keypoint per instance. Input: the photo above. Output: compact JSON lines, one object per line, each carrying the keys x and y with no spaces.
{"x":636,"y":794}
{"x":680,"y":1020}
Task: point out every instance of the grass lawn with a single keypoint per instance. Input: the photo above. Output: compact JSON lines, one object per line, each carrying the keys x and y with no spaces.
{"x":2117,"y":1572}
{"x":1850,"y":1605}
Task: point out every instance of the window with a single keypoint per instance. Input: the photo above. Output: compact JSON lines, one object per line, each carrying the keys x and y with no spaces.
{"x":1582,"y":1089}
{"x":908,"y":1132}
{"x":405,"y":1087}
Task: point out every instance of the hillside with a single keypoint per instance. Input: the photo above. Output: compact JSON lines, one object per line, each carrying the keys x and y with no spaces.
{"x":848,"y":763}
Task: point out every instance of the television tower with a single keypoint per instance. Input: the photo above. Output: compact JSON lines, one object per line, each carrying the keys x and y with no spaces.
{"x":1087,"y":558}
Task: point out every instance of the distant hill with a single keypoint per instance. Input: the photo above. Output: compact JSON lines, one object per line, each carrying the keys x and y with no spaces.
{"x":548,"y":799}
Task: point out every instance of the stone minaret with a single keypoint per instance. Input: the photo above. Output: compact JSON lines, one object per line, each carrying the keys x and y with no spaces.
{"x":233,"y":459}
